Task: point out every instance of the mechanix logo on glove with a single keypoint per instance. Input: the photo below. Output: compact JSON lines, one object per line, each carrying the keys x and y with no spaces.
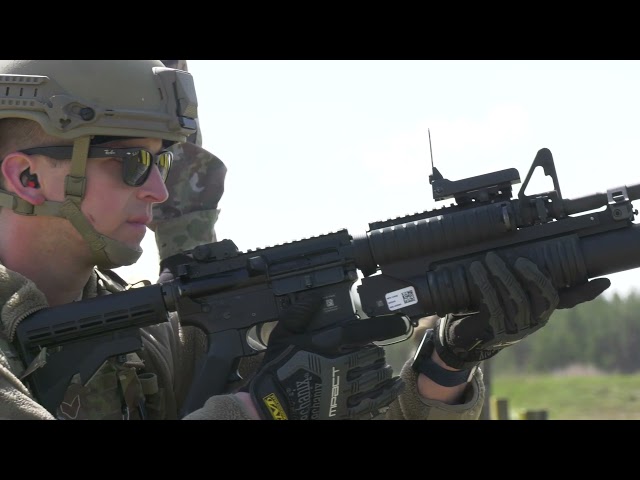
{"x":330,"y":374}
{"x":275,"y":407}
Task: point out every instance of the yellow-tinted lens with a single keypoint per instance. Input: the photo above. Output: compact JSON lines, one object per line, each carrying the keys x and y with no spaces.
{"x":164,"y":164}
{"x":136,"y":166}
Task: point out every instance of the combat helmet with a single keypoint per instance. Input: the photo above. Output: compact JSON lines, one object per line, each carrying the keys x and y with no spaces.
{"x":81,"y":100}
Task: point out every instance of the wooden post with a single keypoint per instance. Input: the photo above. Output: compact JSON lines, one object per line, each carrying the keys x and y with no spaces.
{"x":499,"y":409}
{"x":533,"y":415}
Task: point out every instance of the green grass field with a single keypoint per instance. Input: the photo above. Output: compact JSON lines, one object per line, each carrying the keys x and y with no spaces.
{"x":591,"y":397}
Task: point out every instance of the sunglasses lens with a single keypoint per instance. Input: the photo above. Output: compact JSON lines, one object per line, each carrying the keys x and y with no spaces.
{"x":136,"y":167}
{"x":164,"y":164}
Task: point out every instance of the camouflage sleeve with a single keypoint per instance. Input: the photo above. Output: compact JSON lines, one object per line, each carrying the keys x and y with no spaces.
{"x":410,"y":405}
{"x":188,"y":217}
{"x":195,"y":185}
{"x":16,"y":403}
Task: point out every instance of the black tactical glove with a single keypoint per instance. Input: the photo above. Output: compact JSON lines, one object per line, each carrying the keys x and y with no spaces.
{"x":334,"y":373}
{"x":514,"y":302}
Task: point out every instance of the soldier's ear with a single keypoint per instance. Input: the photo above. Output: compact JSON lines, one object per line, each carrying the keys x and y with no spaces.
{"x":28,"y":179}
{"x":18,"y":179}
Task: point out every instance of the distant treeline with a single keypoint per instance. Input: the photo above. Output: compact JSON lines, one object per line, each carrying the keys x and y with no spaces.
{"x":603,"y":333}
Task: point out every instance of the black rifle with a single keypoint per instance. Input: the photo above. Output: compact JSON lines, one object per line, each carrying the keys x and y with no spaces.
{"x":414,"y":266}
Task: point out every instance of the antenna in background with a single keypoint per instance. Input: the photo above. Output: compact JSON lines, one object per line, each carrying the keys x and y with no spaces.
{"x":435,"y":175}
{"x":430,"y":150}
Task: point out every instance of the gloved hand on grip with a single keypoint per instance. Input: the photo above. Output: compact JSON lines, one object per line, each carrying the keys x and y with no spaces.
{"x":513,"y":303}
{"x":334,"y":373}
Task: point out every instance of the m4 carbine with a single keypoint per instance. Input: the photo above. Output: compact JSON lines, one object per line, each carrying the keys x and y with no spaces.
{"x":413,"y":266}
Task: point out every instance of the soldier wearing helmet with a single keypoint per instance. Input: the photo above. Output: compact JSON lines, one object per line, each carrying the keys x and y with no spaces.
{"x":85,"y":150}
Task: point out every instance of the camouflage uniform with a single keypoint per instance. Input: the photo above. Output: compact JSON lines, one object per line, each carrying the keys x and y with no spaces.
{"x":195,"y":185}
{"x":153,"y":383}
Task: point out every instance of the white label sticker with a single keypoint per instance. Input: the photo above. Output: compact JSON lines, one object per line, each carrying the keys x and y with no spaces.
{"x":401,"y":298}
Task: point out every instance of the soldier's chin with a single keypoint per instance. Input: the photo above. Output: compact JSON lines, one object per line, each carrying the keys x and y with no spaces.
{"x":133,"y":234}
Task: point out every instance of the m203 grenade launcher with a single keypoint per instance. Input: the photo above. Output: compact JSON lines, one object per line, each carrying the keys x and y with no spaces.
{"x":413,"y":266}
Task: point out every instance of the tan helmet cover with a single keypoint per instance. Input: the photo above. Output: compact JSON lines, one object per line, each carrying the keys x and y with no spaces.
{"x":80,"y":99}
{"x":75,"y":98}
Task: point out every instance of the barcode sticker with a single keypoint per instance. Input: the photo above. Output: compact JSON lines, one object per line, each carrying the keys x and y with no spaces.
{"x":401,"y":298}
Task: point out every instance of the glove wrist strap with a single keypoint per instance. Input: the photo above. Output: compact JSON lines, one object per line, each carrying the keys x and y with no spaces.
{"x":424,"y":364}
{"x":447,"y":356}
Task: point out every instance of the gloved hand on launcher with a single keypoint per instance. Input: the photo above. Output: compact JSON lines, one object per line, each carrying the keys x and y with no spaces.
{"x":512,"y":303}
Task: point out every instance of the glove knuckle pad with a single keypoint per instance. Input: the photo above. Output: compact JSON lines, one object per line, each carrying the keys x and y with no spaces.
{"x":368,"y":406}
{"x":367,"y":355}
{"x":369,"y":380}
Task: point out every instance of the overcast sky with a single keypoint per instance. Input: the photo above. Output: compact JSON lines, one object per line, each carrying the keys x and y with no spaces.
{"x":316,"y":146}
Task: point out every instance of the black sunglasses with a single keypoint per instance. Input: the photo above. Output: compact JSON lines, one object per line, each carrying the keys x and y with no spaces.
{"x":136,"y":162}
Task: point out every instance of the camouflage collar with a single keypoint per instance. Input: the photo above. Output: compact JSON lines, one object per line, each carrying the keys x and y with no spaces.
{"x":19,"y":297}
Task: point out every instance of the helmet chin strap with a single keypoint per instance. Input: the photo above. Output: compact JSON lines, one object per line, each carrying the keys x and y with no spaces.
{"x":106,"y":252}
